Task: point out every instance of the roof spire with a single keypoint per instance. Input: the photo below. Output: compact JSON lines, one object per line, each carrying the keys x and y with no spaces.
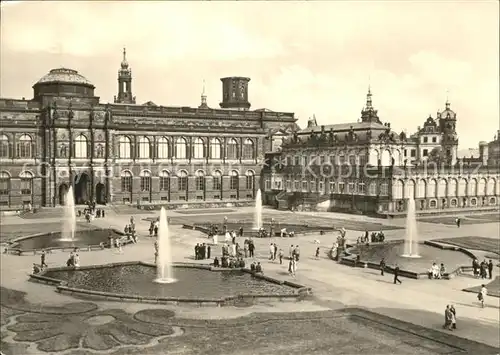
{"x":447,"y":99}
{"x":124,"y":61}
{"x":203,"y":97}
{"x":369,"y":98}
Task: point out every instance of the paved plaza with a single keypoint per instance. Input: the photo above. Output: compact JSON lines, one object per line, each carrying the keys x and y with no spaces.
{"x":348,"y":313}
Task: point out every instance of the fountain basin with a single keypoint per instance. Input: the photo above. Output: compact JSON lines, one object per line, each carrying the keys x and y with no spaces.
{"x":250,"y":231}
{"x":198,"y":284}
{"x":413,"y":267}
{"x":84,"y":239}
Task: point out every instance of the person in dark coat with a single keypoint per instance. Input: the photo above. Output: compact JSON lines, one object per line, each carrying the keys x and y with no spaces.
{"x":490,"y":269}
{"x":209,"y":249}
{"x":197,"y":252}
{"x":382,"y":266}
{"x":396,"y":275}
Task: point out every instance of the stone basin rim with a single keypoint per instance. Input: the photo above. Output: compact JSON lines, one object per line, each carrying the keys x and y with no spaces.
{"x":61,"y":287}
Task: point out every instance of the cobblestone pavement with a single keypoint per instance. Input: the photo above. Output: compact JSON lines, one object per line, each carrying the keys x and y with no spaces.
{"x":420,"y":302}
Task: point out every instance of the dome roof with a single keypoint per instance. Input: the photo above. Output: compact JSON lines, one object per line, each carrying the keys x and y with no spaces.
{"x":448,"y":112}
{"x":64,"y":75}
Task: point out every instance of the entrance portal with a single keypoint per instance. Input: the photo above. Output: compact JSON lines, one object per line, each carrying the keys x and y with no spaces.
{"x":63,"y":190}
{"x":82,"y":188}
{"x":100,"y":192}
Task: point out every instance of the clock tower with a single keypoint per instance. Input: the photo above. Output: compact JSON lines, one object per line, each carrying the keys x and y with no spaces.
{"x":125,"y":83}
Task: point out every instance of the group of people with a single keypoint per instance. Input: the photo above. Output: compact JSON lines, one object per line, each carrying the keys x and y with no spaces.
{"x":202,"y":251}
{"x":228,"y":262}
{"x":154,"y":227}
{"x":437,"y":271}
{"x":74,"y":259}
{"x":373,"y":237}
{"x":482,"y":270}
{"x":450,"y":318}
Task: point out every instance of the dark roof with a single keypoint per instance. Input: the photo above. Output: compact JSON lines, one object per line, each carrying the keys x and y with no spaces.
{"x":356,"y":126}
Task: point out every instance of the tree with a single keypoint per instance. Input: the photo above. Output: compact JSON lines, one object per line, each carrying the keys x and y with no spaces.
{"x":439,"y":156}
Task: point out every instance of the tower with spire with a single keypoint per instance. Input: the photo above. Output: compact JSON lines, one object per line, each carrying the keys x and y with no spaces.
{"x":125,"y":83}
{"x":203,"y":103}
{"x":368,"y":113}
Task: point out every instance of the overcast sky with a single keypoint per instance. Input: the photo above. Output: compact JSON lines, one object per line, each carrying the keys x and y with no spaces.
{"x":303,"y":57}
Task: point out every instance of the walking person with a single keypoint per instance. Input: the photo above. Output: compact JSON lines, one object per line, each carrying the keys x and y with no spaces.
{"x":382,"y":266}
{"x":447,"y":318}
{"x":396,"y":275}
{"x":481,"y":296}
{"x":42,"y":260}
{"x":317,"y":253}
{"x":275,"y":251}
{"x":454,"y":317}
{"x":280,"y":255}
{"x":271,"y":251}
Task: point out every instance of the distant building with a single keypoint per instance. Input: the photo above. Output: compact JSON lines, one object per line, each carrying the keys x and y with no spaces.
{"x":366,"y":167}
{"x":124,"y":152}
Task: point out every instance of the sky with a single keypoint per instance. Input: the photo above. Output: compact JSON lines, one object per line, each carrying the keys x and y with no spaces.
{"x":304,"y":57}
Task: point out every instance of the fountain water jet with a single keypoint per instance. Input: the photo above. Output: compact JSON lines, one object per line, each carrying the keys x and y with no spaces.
{"x":69,"y":218}
{"x":411,"y":237}
{"x":164,"y":272}
{"x":258,"y":211}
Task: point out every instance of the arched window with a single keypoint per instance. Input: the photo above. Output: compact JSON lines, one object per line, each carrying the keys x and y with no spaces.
{"x":234,"y":180}
{"x":248,"y":149}
{"x":4,"y":146}
{"x":126,"y":181}
{"x":198,"y":148}
{"x":232,"y":149}
{"x":26,"y":182}
{"x":145,"y":180}
{"x":125,"y":147}
{"x":217,"y":180}
{"x":182,"y":180}
{"x":4,"y":183}
{"x":200,"y":180}
{"x":180,"y":148}
{"x":163,"y":148}
{"x":250,"y":180}
{"x":144,"y":148}
{"x":24,"y":147}
{"x":164,"y":180}
{"x":215,"y":148}
{"x":81,"y":146}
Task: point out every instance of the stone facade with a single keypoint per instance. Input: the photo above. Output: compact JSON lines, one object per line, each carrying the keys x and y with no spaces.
{"x":366,"y":167}
{"x":124,"y":152}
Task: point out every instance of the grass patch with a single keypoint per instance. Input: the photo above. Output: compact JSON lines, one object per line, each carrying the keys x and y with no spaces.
{"x":493,"y":288}
{"x":490,"y":245}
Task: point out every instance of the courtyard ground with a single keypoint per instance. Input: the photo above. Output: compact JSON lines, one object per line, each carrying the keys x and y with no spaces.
{"x":419,"y":302}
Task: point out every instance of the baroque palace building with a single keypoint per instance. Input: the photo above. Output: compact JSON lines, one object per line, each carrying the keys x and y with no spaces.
{"x":366,"y":167}
{"x":124,"y":152}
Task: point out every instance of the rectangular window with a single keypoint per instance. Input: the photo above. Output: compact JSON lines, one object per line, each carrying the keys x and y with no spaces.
{"x":322,"y":159}
{"x":361,"y":188}
{"x":341,"y":187}
{"x":362,"y":160}
{"x":200,"y":183}
{"x":126,"y":183}
{"x":350,"y":187}
{"x":434,"y":139}
{"x":331,"y":186}
{"x":304,"y":185}
{"x":267,"y":185}
{"x":164,"y":183}
{"x":405,"y":152}
{"x":305,"y":159}
{"x":182,"y":183}
{"x":425,"y":153}
{"x":297,"y":160}
{"x":288,"y":185}
{"x":288,"y":161}
{"x":372,"y":189}
{"x":313,"y":185}
{"x":384,"y":189}
{"x":234,"y":182}
{"x":296,"y":185}
{"x":413,"y":153}
{"x":145,"y":183}
{"x":217,"y":182}
{"x":249,"y":182}
{"x":182,"y":197}
{"x":332,"y":159}
{"x":320,"y":186}
{"x":26,"y":186}
{"x":199,"y":197}
{"x":426,"y":139}
{"x":352,"y":160}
